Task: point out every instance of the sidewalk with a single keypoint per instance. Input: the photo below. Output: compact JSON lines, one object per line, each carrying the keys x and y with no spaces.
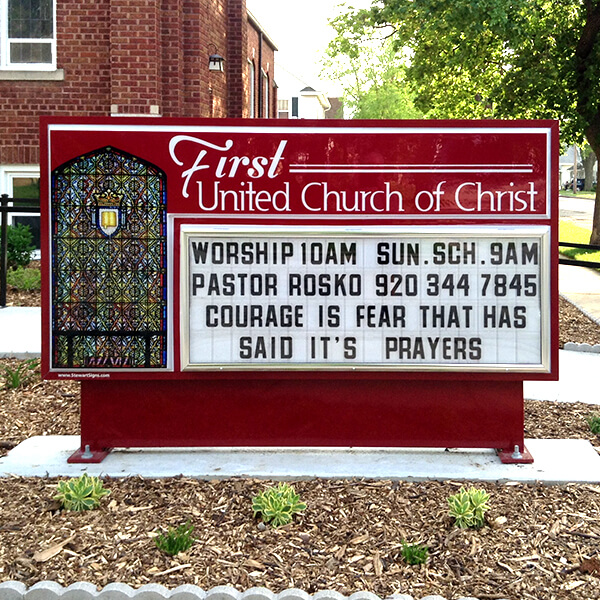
{"x":577,"y":367}
{"x":20,"y":332}
{"x":581,"y":287}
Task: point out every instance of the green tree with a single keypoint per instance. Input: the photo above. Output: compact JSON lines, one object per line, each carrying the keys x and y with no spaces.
{"x":494,"y":58}
{"x":372,"y":74}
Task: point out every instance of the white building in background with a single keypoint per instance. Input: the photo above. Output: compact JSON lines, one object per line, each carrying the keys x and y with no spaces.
{"x":296,"y":100}
{"x":567,"y":167}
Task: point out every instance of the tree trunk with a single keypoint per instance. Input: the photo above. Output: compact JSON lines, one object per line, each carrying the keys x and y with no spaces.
{"x":584,"y":87}
{"x":595,"y":237}
{"x":593,"y":137}
{"x":588,"y":167}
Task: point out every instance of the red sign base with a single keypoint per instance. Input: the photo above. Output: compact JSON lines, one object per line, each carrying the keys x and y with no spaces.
{"x":86,"y":455}
{"x":519,"y":455}
{"x":300,"y":412}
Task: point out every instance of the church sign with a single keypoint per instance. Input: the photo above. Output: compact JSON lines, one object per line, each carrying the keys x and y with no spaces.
{"x":263,"y":259}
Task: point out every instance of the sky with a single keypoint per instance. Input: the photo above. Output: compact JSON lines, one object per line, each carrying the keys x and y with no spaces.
{"x":301,"y":33}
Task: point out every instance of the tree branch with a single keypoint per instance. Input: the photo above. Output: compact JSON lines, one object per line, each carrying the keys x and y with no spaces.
{"x":589,"y":34}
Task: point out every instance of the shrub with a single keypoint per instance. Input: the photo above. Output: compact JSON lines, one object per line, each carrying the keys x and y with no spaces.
{"x":594,"y":423}
{"x":414,"y":554}
{"x":81,"y":493}
{"x":277,"y":505}
{"x":19,"y":245}
{"x":176,"y":540}
{"x":468,"y":507}
{"x":24,"y":279}
{"x":20,"y":375}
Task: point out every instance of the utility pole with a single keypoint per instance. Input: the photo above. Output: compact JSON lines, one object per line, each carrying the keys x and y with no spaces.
{"x":575,"y":168}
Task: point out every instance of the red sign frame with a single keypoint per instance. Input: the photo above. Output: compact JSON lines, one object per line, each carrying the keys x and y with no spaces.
{"x":288,"y":175}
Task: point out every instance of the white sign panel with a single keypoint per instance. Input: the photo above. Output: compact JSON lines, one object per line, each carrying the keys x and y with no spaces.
{"x":428,"y":298}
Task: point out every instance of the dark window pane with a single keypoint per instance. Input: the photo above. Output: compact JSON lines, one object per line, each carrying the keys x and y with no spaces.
{"x":30,"y":19}
{"x":30,"y":53}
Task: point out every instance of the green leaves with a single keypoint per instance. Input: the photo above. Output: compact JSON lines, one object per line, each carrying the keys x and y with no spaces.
{"x":24,"y":278}
{"x":594,"y":423}
{"x":524,"y":58}
{"x":277,"y":505}
{"x":468,"y":507}
{"x":20,"y":245}
{"x":80,"y":493}
{"x":370,"y":68}
{"x":414,"y":554}
{"x":20,"y":375}
{"x":176,"y":540}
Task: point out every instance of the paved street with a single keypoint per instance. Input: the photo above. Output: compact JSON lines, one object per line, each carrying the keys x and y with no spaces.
{"x":578,"y":210}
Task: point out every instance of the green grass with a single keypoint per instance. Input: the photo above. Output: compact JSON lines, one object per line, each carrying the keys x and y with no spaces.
{"x":571,"y":194}
{"x":569,"y":232}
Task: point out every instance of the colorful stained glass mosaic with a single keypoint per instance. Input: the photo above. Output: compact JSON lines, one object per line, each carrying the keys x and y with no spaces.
{"x":109,"y":269}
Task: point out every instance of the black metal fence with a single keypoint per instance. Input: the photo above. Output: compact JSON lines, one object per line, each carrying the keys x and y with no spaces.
{"x":579,"y":263}
{"x":10,"y":205}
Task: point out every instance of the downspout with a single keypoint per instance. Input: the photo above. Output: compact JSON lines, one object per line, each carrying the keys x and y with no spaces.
{"x":260,"y":77}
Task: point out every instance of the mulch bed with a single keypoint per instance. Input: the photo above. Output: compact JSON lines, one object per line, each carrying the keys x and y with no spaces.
{"x":539,"y":541}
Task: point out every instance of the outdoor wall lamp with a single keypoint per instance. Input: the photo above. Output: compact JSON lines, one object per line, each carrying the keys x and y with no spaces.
{"x":216,"y":61}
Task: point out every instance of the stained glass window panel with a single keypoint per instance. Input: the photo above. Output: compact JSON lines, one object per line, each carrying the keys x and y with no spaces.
{"x":109,"y":293}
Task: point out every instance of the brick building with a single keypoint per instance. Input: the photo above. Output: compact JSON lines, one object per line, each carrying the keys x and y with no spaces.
{"x":123,"y":57}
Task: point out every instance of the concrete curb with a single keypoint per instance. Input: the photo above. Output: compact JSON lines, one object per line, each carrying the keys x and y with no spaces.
{"x":50,"y":590}
{"x":576,"y":347}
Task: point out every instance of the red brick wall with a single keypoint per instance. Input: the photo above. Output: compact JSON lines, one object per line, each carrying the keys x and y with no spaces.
{"x":237,"y":42}
{"x":173,"y":57}
{"x":215,"y":40}
{"x":267,"y":65}
{"x":134,"y":55}
{"x":83,"y":52}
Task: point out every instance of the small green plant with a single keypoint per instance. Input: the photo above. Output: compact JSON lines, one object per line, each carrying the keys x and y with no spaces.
{"x":468,"y":507}
{"x":176,"y":540}
{"x":277,"y":505}
{"x":81,"y":493}
{"x":19,"y":245}
{"x":24,"y":278}
{"x":414,"y":554}
{"x":20,"y":375}
{"x":594,"y":423}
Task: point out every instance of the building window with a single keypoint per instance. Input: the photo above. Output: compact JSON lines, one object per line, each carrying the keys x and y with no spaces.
{"x":283,"y":109}
{"x":251,"y":90}
{"x":23,"y":183}
{"x":27,"y":34}
{"x":295,"y":107}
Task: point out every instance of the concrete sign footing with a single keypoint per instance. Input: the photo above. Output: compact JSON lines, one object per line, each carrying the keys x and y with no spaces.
{"x":556,"y":462}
